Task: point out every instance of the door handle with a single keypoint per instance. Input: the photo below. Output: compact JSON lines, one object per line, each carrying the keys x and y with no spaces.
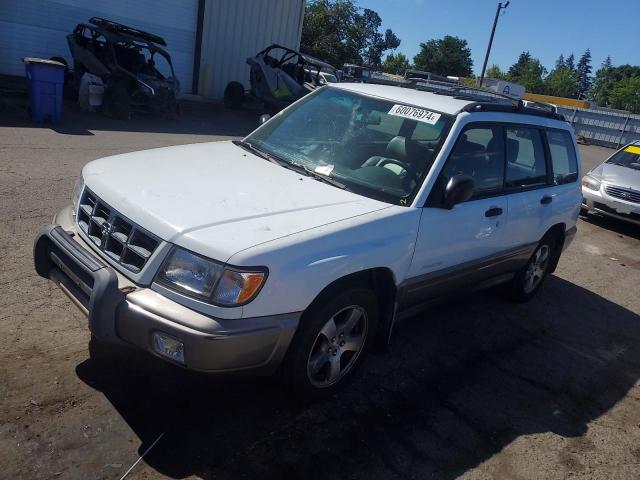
{"x":546,"y":200}
{"x":493,"y":212}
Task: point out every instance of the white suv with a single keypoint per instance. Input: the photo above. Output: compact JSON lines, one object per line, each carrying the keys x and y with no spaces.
{"x":298,"y":248}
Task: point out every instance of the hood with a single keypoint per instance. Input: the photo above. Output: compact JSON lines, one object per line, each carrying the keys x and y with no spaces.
{"x":618,"y":175}
{"x":217,"y":199}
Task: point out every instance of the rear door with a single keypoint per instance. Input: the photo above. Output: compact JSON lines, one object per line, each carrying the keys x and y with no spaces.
{"x":528,"y":184}
{"x":564,"y":162}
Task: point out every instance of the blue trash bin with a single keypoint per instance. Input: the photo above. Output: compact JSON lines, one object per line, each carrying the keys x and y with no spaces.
{"x":45,"y":79}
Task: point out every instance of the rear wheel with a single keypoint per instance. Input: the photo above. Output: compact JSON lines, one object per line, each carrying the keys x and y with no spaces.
{"x":117,"y":101}
{"x":330,"y":342}
{"x":529,"y":279}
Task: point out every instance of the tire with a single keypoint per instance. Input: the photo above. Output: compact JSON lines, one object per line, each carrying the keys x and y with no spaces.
{"x":234,"y":95}
{"x":530,"y":278}
{"x":322,"y":358}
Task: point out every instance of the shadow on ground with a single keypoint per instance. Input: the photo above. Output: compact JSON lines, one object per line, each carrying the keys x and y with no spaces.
{"x":196,"y":119}
{"x":461,"y":383}
{"x":620,"y":227}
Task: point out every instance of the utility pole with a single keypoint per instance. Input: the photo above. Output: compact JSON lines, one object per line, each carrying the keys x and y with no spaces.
{"x":493,"y":31}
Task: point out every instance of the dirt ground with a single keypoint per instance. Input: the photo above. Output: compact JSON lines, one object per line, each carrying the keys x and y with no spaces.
{"x":473,"y":389}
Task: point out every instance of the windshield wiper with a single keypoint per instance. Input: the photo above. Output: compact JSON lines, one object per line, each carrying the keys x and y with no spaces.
{"x":256,"y":151}
{"x":296,"y":167}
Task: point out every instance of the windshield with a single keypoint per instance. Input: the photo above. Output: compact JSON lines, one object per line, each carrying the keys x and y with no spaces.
{"x":629,"y":157}
{"x":377,"y":148}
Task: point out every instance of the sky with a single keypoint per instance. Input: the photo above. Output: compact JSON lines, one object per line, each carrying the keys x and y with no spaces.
{"x":546,"y":28}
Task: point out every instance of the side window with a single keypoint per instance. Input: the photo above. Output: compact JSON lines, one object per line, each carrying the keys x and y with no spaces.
{"x":478,"y":153}
{"x":526,"y":164}
{"x":563,"y":157}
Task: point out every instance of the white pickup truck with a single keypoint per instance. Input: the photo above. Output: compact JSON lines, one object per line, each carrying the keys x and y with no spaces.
{"x":296,"y":249}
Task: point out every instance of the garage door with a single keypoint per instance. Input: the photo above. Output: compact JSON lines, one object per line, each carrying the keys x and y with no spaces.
{"x":38,"y":28}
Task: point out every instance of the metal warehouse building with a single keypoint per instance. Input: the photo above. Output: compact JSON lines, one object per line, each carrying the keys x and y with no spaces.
{"x":209,"y":40}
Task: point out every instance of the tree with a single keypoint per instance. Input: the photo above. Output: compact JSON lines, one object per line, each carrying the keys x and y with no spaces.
{"x":397,"y":64}
{"x":570,"y":63}
{"x":494,"y":71}
{"x":583,"y":74}
{"x":339,"y":32}
{"x":560,"y":63}
{"x":561,"y":82}
{"x":379,"y":45}
{"x":446,"y":56}
{"x":626,"y":95}
{"x":608,"y":78}
{"x":528,"y":71}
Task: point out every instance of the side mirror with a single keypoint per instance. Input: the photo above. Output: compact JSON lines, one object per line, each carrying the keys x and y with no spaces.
{"x":458,"y":190}
{"x":264,"y":118}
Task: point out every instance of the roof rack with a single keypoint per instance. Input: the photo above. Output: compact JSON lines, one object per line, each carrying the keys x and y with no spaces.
{"x":483,"y":100}
{"x":120,"y":28}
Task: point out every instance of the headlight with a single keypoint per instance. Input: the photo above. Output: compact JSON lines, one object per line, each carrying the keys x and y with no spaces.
{"x":77,"y":191}
{"x":591,"y":183}
{"x":210,"y":281}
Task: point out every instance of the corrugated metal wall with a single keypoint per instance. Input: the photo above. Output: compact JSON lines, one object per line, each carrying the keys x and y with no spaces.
{"x":38,"y":28}
{"x":603,"y":126}
{"x":237,"y":29}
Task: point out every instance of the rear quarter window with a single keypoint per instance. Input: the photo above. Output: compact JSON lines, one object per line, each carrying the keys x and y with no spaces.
{"x":563,"y":157}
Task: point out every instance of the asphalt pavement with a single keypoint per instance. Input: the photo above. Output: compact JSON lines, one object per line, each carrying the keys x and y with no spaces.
{"x":476,"y":388}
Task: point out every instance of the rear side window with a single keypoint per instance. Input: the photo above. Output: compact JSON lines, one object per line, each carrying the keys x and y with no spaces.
{"x":563,"y":157}
{"x":478,"y":153}
{"x":526,"y":163}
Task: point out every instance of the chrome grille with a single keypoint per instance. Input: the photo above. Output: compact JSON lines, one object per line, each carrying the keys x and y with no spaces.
{"x":623,"y":193}
{"x":119,"y":238}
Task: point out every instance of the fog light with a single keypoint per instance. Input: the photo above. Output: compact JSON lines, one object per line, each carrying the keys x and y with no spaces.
{"x":168,"y":347}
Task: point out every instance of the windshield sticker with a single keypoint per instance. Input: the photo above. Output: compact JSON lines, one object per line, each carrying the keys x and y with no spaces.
{"x":414,"y":113}
{"x":324,"y":170}
{"x":632,"y":149}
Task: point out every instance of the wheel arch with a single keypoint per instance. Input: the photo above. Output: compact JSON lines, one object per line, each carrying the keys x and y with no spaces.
{"x":558,"y":231}
{"x":382,"y":281}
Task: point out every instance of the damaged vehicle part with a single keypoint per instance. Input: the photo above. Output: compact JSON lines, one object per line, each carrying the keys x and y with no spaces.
{"x":137,"y":73}
{"x":279,"y":76}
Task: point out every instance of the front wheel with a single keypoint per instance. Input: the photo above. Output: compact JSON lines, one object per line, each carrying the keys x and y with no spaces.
{"x":330,"y":342}
{"x":529,"y":279}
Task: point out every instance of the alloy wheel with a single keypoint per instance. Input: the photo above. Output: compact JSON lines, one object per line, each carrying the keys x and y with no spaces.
{"x":536,"y":269}
{"x":337,"y":346}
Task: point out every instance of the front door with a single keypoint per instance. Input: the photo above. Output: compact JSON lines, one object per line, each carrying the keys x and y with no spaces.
{"x":460,"y":246}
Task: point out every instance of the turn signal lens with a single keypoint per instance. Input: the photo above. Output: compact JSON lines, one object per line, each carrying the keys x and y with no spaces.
{"x":236,"y":288}
{"x":590,"y":183}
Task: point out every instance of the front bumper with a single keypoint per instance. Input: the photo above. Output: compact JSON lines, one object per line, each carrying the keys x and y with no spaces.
{"x":600,"y":202}
{"x":121,"y":311}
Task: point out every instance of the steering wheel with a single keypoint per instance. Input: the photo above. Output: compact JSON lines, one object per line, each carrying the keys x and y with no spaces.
{"x":414,"y":175}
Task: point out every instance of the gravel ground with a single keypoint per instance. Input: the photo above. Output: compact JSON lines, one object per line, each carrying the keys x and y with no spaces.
{"x":474,"y":389}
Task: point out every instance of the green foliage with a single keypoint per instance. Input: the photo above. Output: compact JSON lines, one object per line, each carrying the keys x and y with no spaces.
{"x":446,"y":56}
{"x":608,"y":79}
{"x":494,"y":71}
{"x":561,"y":82}
{"x":570,"y":62}
{"x":529,"y":72}
{"x":583,"y":74}
{"x":339,"y":32}
{"x":626,"y":95}
{"x":397,"y":63}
